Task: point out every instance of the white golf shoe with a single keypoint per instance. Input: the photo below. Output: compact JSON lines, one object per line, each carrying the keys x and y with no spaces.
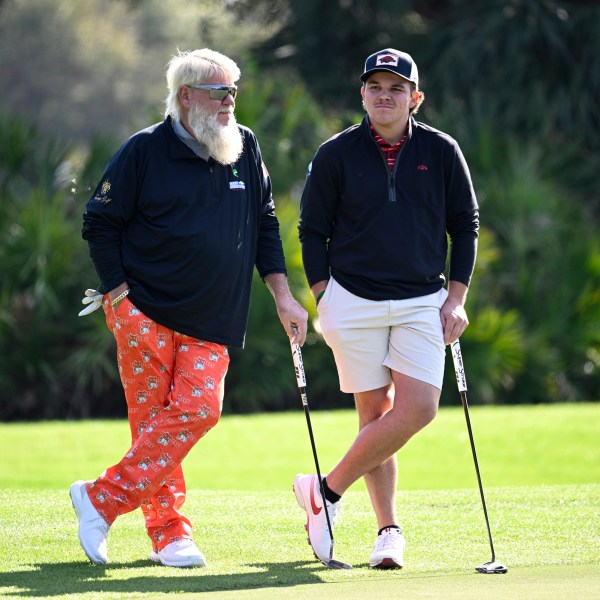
{"x":308,"y":494}
{"x":182,"y":553}
{"x":93,"y":529}
{"x":388,"y":552}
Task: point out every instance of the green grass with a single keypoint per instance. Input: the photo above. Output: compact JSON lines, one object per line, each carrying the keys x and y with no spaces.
{"x":516,"y":446}
{"x":540,"y":467}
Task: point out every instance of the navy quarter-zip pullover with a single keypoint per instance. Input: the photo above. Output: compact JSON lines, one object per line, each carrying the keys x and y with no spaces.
{"x":184,"y":233}
{"x":381,"y":234}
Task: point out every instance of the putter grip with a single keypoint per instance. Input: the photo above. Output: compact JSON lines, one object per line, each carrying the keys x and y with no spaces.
{"x":298,"y":365}
{"x":459,"y":368}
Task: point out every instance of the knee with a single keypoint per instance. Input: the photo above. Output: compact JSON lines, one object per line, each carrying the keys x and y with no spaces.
{"x":422,"y":415}
{"x":429,"y":413}
{"x":418,"y":415}
{"x":208,"y":412}
{"x":200,"y":413}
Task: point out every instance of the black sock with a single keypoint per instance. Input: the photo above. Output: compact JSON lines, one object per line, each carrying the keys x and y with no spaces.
{"x":330,"y":495}
{"x":390,"y":527}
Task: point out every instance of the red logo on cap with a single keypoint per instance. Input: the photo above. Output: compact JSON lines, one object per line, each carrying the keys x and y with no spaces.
{"x":387,"y":59}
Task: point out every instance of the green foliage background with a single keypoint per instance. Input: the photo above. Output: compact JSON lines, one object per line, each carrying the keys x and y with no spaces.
{"x":515,"y":81}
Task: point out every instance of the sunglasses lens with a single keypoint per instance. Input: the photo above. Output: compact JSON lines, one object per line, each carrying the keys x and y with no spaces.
{"x":222,"y":93}
{"x":217,"y":94}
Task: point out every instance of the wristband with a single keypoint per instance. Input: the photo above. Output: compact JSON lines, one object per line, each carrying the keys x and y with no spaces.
{"x":120,"y":297}
{"x":319,"y":296}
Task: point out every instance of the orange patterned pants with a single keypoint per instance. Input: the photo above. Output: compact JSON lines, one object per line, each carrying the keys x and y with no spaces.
{"x":174,"y":387}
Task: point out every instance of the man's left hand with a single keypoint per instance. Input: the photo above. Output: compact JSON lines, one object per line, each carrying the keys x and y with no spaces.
{"x":454,"y":320}
{"x":453,"y":314}
{"x":291,"y":314}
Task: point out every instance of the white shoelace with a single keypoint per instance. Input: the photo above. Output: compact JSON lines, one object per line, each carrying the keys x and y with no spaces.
{"x":182,"y":544}
{"x":333,"y":510}
{"x":388,"y":540}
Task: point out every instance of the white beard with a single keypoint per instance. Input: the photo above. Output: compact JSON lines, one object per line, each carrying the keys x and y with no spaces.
{"x":223,"y":142}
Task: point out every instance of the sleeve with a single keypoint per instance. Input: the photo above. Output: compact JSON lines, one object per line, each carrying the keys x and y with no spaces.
{"x":269,"y":252}
{"x":318,"y":206}
{"x":462,"y":217}
{"x":107,"y":213}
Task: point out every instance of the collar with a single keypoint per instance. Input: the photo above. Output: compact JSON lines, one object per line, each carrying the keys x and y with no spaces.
{"x":190,"y":141}
{"x":178,"y":148}
{"x":383,"y":143}
{"x":367,"y":127}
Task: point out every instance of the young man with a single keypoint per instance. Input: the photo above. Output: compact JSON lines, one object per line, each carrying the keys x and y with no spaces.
{"x":379,"y":199}
{"x":180,"y":219}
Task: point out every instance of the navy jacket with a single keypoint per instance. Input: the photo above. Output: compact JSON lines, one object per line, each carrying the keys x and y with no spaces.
{"x":382,"y":234}
{"x":184,"y":233}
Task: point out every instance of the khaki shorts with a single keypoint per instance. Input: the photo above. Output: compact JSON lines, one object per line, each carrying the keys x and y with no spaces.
{"x":368,"y":338}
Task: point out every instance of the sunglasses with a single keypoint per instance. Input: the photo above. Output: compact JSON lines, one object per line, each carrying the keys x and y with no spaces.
{"x":217,"y":92}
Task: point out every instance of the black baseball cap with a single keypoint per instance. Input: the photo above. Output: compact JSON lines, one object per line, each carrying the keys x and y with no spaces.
{"x":392,"y":61}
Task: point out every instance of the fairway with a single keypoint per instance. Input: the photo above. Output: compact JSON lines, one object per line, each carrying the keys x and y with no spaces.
{"x":540,"y":468}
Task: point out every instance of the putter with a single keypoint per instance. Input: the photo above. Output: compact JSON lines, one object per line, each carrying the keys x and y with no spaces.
{"x":301,"y":379}
{"x":493,"y":566}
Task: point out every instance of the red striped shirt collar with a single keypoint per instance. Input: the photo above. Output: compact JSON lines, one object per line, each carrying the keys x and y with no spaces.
{"x":385,"y":146}
{"x":390,"y":150}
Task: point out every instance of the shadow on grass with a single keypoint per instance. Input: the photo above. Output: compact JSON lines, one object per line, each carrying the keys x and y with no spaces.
{"x":57,"y":579}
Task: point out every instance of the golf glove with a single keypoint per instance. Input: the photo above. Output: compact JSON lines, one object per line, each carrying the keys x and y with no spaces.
{"x":93,"y":298}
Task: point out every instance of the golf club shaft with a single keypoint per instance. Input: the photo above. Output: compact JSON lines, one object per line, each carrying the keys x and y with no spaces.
{"x":462,"y":388}
{"x":301,"y":379}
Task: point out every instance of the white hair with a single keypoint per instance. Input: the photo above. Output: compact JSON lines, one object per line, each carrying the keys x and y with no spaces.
{"x":195,"y":67}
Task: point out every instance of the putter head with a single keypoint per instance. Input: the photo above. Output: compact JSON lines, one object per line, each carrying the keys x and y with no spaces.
{"x":336,"y":564}
{"x":332,"y":563}
{"x":491,"y":568}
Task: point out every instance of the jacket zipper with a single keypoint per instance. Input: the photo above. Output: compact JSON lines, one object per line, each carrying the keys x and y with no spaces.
{"x":211,"y":170}
{"x":391,"y":175}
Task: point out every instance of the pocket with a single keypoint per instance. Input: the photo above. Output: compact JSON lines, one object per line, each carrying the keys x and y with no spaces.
{"x":108,"y":312}
{"x":116,"y":309}
{"x":442,"y":297}
{"x":326,"y":296}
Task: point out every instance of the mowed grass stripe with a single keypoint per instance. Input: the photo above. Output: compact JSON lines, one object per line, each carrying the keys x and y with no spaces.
{"x":516,"y":446}
{"x":256,"y":540}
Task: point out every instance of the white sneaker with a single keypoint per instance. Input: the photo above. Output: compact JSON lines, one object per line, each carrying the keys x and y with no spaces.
{"x":93,"y":529}
{"x":308,"y":494}
{"x":182,"y":553}
{"x":388,"y":552}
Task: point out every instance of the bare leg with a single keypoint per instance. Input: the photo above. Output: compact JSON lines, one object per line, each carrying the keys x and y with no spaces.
{"x":382,"y":480}
{"x":415,"y":405}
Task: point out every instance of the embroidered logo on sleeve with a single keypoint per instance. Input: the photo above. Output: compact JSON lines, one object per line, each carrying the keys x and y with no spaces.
{"x":237,"y":185}
{"x":102,"y":197}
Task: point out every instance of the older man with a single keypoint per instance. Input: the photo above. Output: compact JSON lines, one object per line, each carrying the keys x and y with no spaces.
{"x":179,"y":220}
{"x":379,"y":201}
